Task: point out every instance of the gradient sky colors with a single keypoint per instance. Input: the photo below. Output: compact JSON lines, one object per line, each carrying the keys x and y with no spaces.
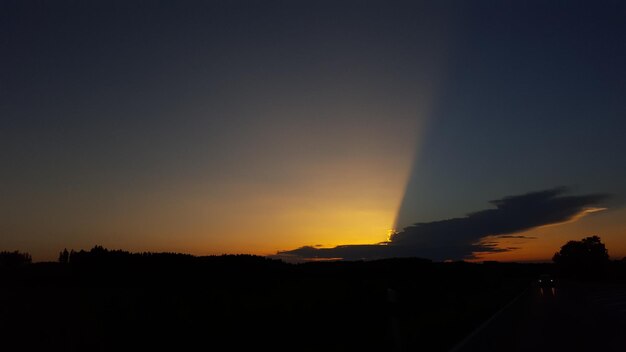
{"x":264,"y":126}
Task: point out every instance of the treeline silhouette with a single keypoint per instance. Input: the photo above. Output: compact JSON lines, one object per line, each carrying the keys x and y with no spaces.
{"x":14,"y":259}
{"x":102,"y":266}
{"x":110,"y":300}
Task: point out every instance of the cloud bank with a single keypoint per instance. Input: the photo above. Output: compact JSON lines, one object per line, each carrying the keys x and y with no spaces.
{"x":461,"y":238}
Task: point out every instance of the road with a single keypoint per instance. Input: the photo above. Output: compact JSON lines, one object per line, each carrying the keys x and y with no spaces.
{"x":571,"y":317}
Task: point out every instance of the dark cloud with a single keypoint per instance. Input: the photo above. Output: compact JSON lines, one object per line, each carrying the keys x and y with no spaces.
{"x":460,"y":238}
{"x":518,"y":236}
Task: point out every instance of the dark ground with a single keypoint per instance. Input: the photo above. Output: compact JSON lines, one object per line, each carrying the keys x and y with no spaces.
{"x":574,"y":316}
{"x":200,"y":303}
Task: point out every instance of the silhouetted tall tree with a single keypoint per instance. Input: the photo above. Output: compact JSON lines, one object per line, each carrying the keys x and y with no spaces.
{"x":586,"y":258}
{"x":64,"y":256}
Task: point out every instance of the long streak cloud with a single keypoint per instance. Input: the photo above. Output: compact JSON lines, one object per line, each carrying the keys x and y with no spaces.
{"x":461,"y":238}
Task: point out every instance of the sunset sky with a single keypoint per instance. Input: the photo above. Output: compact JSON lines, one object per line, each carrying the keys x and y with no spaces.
{"x":289,"y":128}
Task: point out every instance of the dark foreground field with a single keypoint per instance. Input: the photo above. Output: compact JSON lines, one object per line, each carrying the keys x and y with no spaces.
{"x":112,"y":302}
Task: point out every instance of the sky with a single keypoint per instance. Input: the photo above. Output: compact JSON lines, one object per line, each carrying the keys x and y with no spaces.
{"x":312,"y":130}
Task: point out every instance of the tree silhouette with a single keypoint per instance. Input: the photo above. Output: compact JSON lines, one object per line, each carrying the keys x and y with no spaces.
{"x":586,"y":258}
{"x":13,"y":259}
{"x":64,"y":256}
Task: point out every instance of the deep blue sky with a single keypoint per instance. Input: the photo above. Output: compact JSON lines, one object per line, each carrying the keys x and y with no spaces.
{"x":534,"y":99}
{"x":259,"y":126}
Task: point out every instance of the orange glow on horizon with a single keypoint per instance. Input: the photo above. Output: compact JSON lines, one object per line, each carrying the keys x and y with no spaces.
{"x":607,"y":224}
